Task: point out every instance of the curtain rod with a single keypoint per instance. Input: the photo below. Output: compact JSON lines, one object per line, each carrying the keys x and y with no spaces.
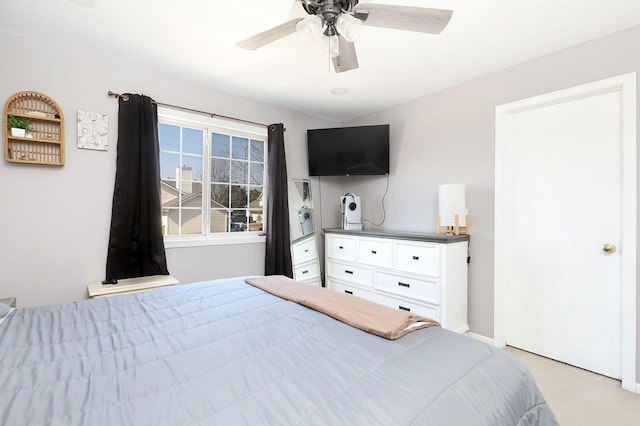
{"x":210,"y":114}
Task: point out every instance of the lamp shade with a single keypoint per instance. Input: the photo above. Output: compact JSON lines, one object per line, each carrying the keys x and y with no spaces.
{"x":309,"y":27}
{"x":451,"y":201}
{"x":348,"y":26}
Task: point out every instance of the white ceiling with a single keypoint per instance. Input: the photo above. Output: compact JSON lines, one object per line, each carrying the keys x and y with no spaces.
{"x":194,"y":40}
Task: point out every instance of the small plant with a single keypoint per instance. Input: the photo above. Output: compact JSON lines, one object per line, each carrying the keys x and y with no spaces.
{"x":18,"y":122}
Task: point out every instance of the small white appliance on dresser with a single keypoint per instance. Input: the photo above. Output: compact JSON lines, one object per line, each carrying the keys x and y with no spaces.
{"x":421,"y":273}
{"x":351,"y":212}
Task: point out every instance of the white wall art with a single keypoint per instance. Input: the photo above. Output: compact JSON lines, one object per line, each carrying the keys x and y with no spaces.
{"x":93,"y":130}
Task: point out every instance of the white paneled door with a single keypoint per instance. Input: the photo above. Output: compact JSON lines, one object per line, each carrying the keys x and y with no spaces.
{"x":562,"y":236}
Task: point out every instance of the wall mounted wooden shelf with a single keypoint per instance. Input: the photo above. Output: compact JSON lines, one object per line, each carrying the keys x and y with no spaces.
{"x":44,"y":141}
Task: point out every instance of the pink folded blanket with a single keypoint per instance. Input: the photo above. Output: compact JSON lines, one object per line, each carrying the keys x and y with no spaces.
{"x":357,"y":312}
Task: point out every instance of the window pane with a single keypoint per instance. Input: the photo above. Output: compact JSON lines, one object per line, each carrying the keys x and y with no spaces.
{"x":191,"y":221}
{"x":255,"y":197}
{"x":219,"y":170}
{"x":256,"y":175}
{"x":239,"y":171}
{"x":240,"y":148}
{"x":220,"y":196}
{"x":220,"y":145}
{"x":192,"y":140}
{"x":219,"y":220}
{"x":195,"y":164}
{"x":256,"y":220}
{"x":238,"y":197}
{"x":238,"y":220}
{"x":169,"y":193}
{"x":191,"y":195}
{"x":168,"y":165}
{"x":173,"y":216}
{"x":169,"y":137}
{"x":257,"y":150}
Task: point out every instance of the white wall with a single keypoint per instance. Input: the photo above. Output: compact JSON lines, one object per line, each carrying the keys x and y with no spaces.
{"x":448,"y":137}
{"x":54,"y":221}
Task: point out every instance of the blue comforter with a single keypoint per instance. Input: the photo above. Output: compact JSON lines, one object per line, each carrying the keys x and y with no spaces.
{"x":226,"y":353}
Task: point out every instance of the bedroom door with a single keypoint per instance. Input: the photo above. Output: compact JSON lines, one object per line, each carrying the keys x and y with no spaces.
{"x":565,"y":229}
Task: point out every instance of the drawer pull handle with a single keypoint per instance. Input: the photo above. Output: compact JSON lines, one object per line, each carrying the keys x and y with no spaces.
{"x":305,"y":271}
{"x":374,"y":252}
{"x":306,"y":251}
{"x":402,"y":308}
{"x":416,"y":258}
{"x":403,"y":284}
{"x":348,"y":292}
{"x":340,"y":247}
{"x":346,"y":271}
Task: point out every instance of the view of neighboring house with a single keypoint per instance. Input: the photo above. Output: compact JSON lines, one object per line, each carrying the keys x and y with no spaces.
{"x":182,"y":203}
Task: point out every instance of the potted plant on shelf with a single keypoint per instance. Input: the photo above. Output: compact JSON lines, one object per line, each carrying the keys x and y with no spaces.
{"x":18,"y":125}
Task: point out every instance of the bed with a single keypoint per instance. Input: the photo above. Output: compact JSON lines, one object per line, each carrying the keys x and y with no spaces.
{"x":224,"y":352}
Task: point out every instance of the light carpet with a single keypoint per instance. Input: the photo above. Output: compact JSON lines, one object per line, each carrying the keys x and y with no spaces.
{"x":579,"y":397}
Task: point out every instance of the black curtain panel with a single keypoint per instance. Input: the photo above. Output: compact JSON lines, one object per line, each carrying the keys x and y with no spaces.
{"x":278,"y":249}
{"x":136,"y":245}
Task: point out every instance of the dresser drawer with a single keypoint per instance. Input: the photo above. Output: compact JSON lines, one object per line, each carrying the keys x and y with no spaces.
{"x":315,"y":282}
{"x":424,"y":290}
{"x":338,"y":247}
{"x":375,"y":252}
{"x":352,"y":290}
{"x":426,"y":310}
{"x":306,"y":271}
{"x":419,"y":258}
{"x":304,"y":251}
{"x":350,"y":272}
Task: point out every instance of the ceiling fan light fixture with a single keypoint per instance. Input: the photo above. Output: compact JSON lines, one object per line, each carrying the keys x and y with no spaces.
{"x":341,"y":22}
{"x":334,"y":46}
{"x":348,"y":27}
{"x":308,"y":27}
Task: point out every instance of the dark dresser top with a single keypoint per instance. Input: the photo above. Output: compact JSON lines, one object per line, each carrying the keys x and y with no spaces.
{"x":415,"y":236}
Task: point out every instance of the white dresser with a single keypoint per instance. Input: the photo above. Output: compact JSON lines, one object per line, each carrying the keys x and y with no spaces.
{"x":421,"y":273}
{"x":306,"y":263}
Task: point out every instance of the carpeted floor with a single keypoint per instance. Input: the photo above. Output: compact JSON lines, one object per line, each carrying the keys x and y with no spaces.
{"x":579,"y":397}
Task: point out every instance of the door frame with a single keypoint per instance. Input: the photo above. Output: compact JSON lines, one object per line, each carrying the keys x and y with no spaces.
{"x":505,"y":126}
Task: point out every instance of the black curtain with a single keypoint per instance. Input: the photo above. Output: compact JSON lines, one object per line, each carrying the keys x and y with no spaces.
{"x":278,"y":249}
{"x":136,"y":245}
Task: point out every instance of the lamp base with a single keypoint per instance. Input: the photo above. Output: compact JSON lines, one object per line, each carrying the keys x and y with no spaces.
{"x":453,"y":230}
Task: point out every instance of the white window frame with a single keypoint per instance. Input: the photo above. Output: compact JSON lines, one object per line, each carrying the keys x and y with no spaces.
{"x":208,"y":125}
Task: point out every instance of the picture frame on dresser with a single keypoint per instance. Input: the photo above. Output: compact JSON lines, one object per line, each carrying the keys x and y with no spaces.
{"x":422,"y":273}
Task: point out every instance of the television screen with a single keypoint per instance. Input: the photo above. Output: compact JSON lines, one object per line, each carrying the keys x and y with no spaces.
{"x":345,"y":151}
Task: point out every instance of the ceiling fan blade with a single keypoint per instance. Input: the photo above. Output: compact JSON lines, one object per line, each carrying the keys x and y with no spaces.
{"x":347,"y":60}
{"x":266,"y":37}
{"x":408,"y":18}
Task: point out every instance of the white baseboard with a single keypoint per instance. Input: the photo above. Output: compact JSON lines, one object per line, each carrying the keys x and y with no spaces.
{"x":485,"y":339}
{"x":633,"y":389}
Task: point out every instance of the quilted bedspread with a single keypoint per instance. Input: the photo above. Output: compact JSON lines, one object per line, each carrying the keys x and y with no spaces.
{"x":226,"y":353}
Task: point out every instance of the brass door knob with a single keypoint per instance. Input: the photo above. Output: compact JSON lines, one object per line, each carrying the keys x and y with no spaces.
{"x":609,"y":248}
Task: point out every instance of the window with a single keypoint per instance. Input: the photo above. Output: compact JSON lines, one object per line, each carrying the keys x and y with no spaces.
{"x":212,"y":178}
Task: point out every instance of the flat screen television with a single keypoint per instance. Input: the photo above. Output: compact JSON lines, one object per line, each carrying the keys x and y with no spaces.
{"x":347,"y":151}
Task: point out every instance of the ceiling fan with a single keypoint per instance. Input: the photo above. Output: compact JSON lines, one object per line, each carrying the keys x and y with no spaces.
{"x":341,"y":21}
